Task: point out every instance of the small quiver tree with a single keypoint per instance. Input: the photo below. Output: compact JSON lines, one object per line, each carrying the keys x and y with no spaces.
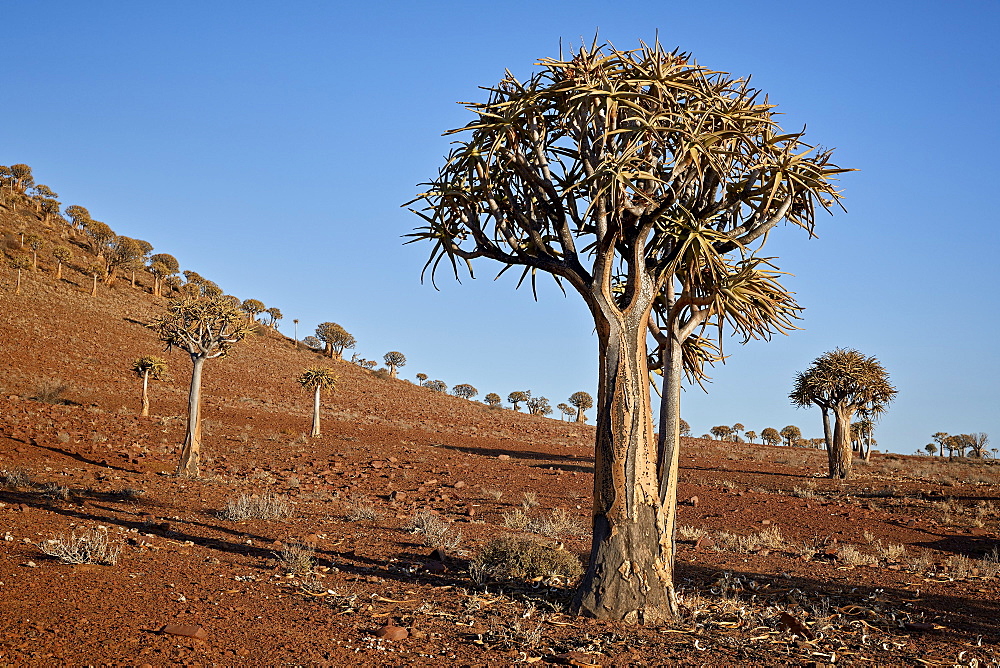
{"x":274,"y":314}
{"x":518,"y":397}
{"x":252,"y":307}
{"x":317,"y":379}
{"x":36,"y":244}
{"x":582,"y":401}
{"x":146,"y":368}
{"x":163,"y":266}
{"x":492,"y":399}
{"x":394,"y":360}
{"x":421,"y":378}
{"x":19,"y":263}
{"x":791,"y":435}
{"x":465,"y":391}
{"x":205,"y":328}
{"x":844,"y":382}
{"x":770,"y":436}
{"x":336,"y":339}
{"x":62,"y":255}
{"x":96,"y":270}
{"x":564,"y":410}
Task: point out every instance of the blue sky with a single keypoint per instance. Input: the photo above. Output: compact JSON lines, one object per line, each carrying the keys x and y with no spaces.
{"x":269,"y":147}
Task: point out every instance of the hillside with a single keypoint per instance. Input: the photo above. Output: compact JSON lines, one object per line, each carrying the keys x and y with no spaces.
{"x":779,"y":566}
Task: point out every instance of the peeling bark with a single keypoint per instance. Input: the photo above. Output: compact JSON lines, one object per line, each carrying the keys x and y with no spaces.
{"x":188,"y":466}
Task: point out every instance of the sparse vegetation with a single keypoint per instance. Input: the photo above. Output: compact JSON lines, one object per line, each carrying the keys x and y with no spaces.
{"x":93,"y":546}
{"x":317,"y":379}
{"x":509,"y":557}
{"x":296,"y":558}
{"x":436,"y":531}
{"x":15,"y":478}
{"x":264,"y":506}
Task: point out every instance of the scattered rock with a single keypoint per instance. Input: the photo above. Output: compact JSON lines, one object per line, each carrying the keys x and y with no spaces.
{"x":184,"y":630}
{"x":459,"y":484}
{"x":503,"y":458}
{"x":390,"y":632}
{"x":693,"y":501}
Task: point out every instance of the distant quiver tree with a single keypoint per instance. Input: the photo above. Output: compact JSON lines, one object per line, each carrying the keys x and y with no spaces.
{"x":146,"y":368}
{"x":205,"y":328}
{"x":394,"y":360}
{"x":465,"y":391}
{"x":582,"y":401}
{"x":317,"y":379}
{"x":335,"y":338}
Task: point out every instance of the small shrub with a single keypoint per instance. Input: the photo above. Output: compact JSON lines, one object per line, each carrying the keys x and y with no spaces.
{"x":263,"y":507}
{"x":989,"y":567}
{"x":516,"y":519}
{"x":960,"y":566}
{"x":852,"y":556}
{"x":690,"y":533}
{"x":807,"y":492}
{"x":129,"y":494}
{"x":557,"y":523}
{"x":510,"y":557}
{"x":55,"y":491}
{"x":91,"y":547}
{"x":15,"y":478}
{"x":51,"y":391}
{"x":529,"y":500}
{"x":436,"y":531}
{"x":296,"y":558}
{"x":921,"y":563}
{"x":362,"y":512}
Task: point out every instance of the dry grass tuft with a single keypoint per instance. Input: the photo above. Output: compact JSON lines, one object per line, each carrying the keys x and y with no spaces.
{"x":436,"y":531}
{"x":265,"y":506}
{"x":93,"y":546}
{"x":15,"y":478}
{"x":296,"y":558}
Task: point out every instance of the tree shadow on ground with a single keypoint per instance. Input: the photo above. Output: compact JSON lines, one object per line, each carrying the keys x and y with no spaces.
{"x":513,"y":454}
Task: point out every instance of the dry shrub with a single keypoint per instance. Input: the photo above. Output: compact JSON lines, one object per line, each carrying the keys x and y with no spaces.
{"x":93,"y":546}
{"x":690,"y":533}
{"x":296,"y":558}
{"x":55,"y":491}
{"x":529,"y":500}
{"x":50,"y":391}
{"x":770,"y":538}
{"x":266,"y":506}
{"x":436,"y":531}
{"x":557,"y":523}
{"x":495,"y":494}
{"x":360,"y":510}
{"x":510,"y":557}
{"x":15,"y":478}
{"x":516,"y":519}
{"x":852,"y":556}
{"x":807,"y":492}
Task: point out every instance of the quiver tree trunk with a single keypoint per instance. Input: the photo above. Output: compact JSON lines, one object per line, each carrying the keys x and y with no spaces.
{"x":841,"y":453}
{"x":191,"y":450}
{"x":668,"y":444}
{"x":145,"y":393}
{"x":315,"y":422}
{"x":629,"y":575}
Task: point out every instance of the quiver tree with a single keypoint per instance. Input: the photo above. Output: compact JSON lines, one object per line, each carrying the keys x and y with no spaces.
{"x":582,"y":401}
{"x":791,"y":435}
{"x":538,"y":406}
{"x":252,"y":307}
{"x":770,"y":436}
{"x":205,"y":328}
{"x":844,"y":382}
{"x":629,"y":175}
{"x":313,"y":343}
{"x":518,"y":397}
{"x":96,"y":269}
{"x":62,"y":255}
{"x":317,"y":379}
{"x":465,"y":391}
{"x":78,"y":216}
{"x":721,"y":432}
{"x":35,"y":243}
{"x":335,"y":338}
{"x":751,"y":436}
{"x":19,"y":263}
{"x":685,"y":428}
{"x":394,"y":360}
{"x":162,"y":266}
{"x":100,"y":235}
{"x":437,"y":386}
{"x":421,"y":378}
{"x":122,"y":253}
{"x":274,"y":314}
{"x":145,"y":368}
{"x":978,"y":442}
{"x":564,"y":410}
{"x":492,"y":399}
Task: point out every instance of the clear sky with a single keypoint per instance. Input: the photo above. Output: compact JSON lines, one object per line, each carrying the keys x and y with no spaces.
{"x":269,"y":146}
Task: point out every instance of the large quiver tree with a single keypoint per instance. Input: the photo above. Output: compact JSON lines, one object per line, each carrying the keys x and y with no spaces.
{"x":844,"y":382}
{"x":205,"y":328}
{"x":616,"y":171}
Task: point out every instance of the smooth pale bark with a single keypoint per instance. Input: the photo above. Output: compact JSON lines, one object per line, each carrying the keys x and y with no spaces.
{"x":827,"y":433}
{"x":841,"y":453}
{"x":629,"y":576}
{"x":59,"y":271}
{"x":17,"y":286}
{"x":669,"y":442}
{"x":145,"y":393}
{"x":315,"y":424}
{"x":191,"y":450}
{"x":93,"y":290}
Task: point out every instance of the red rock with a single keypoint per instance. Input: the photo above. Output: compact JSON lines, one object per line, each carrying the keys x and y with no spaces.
{"x":397,"y":496}
{"x":704,"y":542}
{"x":796,"y":627}
{"x":460,"y":484}
{"x":377,"y":464}
{"x":435,"y":567}
{"x":392,"y":633}
{"x":185,"y":630}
